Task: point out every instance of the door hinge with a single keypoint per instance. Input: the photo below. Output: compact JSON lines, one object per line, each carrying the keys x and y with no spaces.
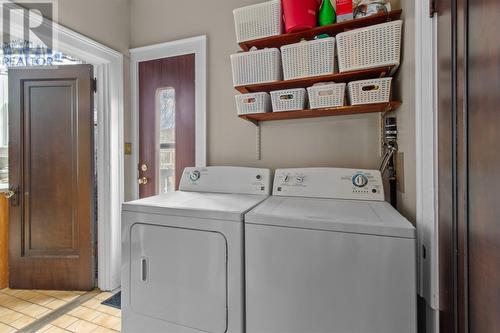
{"x":432,"y":8}
{"x":94,"y":85}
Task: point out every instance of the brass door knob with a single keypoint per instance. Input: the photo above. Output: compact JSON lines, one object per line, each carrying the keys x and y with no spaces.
{"x":143,"y":180}
{"x":9,"y":194}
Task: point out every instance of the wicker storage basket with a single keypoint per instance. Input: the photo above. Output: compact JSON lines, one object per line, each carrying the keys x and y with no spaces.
{"x":289,"y":100}
{"x":370,"y":91}
{"x":253,"y":103}
{"x":258,"y":21}
{"x":327,"y":95}
{"x":256,"y":67}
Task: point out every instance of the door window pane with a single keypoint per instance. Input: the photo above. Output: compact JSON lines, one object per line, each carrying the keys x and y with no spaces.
{"x":165,"y":102}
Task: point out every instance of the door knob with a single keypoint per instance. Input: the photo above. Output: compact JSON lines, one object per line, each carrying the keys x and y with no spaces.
{"x":9,"y":194}
{"x":144,"y":167}
{"x":143,"y":180}
{"x":12,"y":195}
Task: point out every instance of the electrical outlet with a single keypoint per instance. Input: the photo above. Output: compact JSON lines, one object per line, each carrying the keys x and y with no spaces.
{"x":400,"y":171}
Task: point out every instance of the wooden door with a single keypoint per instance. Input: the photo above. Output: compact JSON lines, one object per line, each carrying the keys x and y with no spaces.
{"x":482,"y":97}
{"x":51,"y":156}
{"x":469,"y":165}
{"x":176,"y":74}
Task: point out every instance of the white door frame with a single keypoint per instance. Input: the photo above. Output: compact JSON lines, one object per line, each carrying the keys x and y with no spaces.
{"x":108,"y":69}
{"x":426,"y":151}
{"x":193,"y":45}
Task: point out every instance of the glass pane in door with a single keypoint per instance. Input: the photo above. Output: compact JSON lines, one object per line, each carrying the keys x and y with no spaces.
{"x":165,"y":102}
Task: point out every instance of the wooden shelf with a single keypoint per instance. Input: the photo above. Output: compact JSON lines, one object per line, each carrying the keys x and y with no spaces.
{"x":332,"y":30}
{"x":371,"y":73}
{"x":340,"y":111}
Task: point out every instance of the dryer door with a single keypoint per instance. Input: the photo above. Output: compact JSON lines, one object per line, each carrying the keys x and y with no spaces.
{"x":179,"y":276}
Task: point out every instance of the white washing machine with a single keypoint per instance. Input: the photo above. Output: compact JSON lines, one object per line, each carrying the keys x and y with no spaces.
{"x":327,"y":254}
{"x":182,"y":253}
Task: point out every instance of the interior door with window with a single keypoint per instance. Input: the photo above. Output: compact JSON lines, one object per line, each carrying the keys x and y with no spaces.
{"x":166,"y":122}
{"x":51,"y":175}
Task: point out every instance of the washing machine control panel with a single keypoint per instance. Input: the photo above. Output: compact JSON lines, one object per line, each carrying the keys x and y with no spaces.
{"x":227,"y":180}
{"x":334,"y":183}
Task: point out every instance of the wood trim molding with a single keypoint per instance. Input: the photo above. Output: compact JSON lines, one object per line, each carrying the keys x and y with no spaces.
{"x":4,"y":242}
{"x":196,"y":45}
{"x":426,"y":152}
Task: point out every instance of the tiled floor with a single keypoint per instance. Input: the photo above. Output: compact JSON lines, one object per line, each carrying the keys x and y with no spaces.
{"x":20,"y":308}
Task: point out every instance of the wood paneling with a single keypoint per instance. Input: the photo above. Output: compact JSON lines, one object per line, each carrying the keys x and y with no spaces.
{"x":469,"y":61}
{"x":51,"y":159}
{"x":483,"y":100}
{"x":178,"y":73}
{"x":4,"y":242}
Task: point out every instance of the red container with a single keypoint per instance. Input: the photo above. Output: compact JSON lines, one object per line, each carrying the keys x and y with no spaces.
{"x":299,"y":14}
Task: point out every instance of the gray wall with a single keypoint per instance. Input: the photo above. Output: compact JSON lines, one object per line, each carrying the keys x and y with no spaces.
{"x":350,"y":141}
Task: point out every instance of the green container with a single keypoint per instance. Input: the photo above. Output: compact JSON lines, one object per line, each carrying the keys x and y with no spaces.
{"x":326,"y":14}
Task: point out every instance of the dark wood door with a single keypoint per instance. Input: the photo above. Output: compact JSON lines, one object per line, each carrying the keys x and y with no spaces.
{"x":51,"y":156}
{"x":470,"y":162}
{"x":482,"y":56}
{"x":178,"y":74}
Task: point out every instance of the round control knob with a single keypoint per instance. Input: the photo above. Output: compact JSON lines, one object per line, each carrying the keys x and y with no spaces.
{"x":359,"y":180}
{"x":299,"y":179}
{"x":195,"y":175}
{"x":286,"y":179}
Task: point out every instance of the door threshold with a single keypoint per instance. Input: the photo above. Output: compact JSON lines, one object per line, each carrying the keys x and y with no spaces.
{"x":53,"y":315}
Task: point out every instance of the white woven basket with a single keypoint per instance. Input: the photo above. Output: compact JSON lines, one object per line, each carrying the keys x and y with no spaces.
{"x":253,"y":103}
{"x":375,"y":46}
{"x":370,"y":91}
{"x":326,"y":95}
{"x":258,"y":21}
{"x":289,"y":100}
{"x":306,"y":59}
{"x":256,"y":67}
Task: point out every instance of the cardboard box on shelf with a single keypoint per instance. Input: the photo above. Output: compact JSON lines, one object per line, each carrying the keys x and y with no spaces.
{"x":344,"y":10}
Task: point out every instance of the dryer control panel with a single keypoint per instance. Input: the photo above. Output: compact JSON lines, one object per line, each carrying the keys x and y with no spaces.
{"x":226,"y":180}
{"x":332,"y":183}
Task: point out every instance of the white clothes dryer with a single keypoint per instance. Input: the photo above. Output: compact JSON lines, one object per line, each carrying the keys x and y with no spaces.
{"x":182,"y":253}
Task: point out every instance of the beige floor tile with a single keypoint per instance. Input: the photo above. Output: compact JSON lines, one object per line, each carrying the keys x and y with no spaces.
{"x":4,"y":311}
{"x":64,"y":321}
{"x":109,"y":310}
{"x":9,"y":291}
{"x":17,"y":304}
{"x":10,"y":317}
{"x":54,"y":329}
{"x":82,"y":326}
{"x":55,"y":304}
{"x":4,"y":299}
{"x":26,"y":294}
{"x":22,"y":322}
{"x":104,"y":296}
{"x":84,"y":313}
{"x":42,"y":299}
{"x":6,"y":328}
{"x":35,"y":310}
{"x":108,"y":321}
{"x":92,"y":303}
{"x":67,"y":297}
{"x":101,"y":329}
